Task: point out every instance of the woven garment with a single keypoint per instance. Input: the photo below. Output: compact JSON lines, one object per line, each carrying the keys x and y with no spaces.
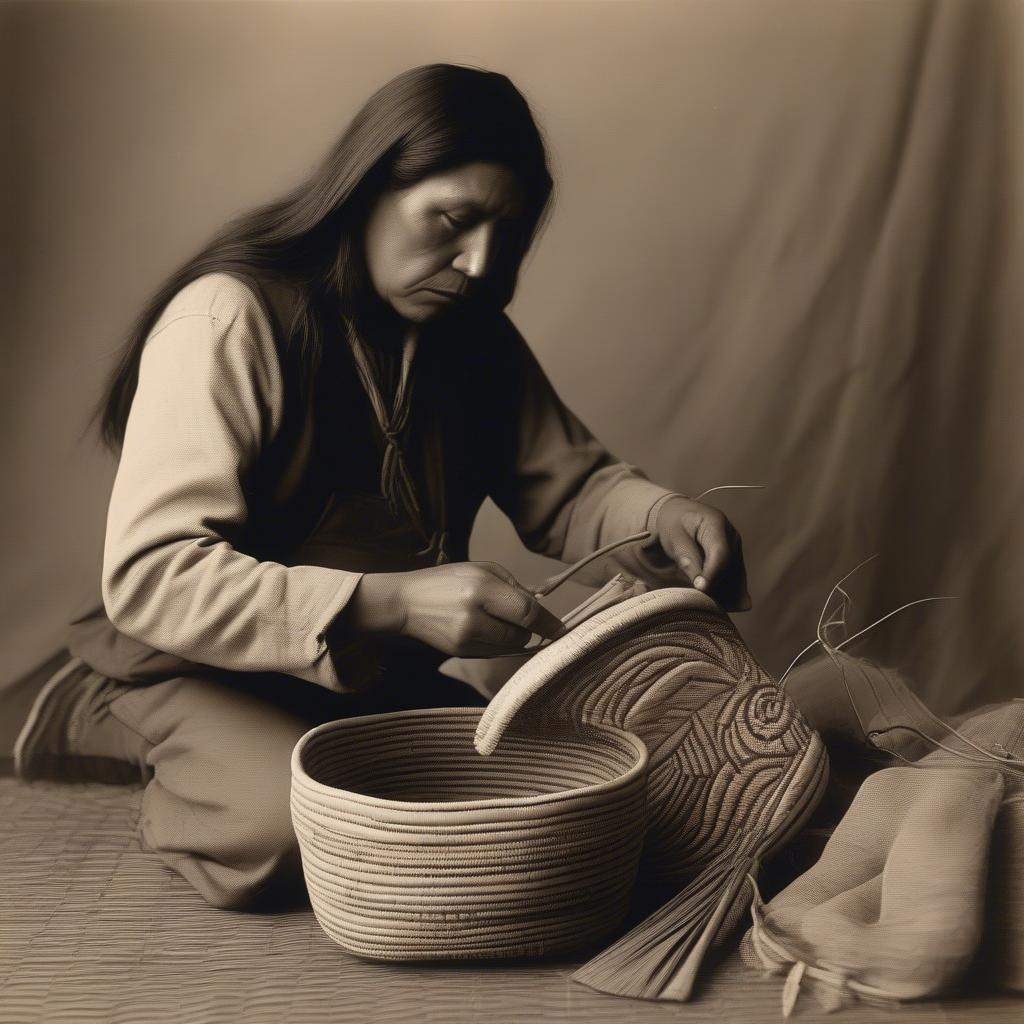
{"x":734,"y":768}
{"x":921,"y":882}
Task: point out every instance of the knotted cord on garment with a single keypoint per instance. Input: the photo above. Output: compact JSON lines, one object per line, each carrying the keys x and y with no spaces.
{"x":396,"y":482}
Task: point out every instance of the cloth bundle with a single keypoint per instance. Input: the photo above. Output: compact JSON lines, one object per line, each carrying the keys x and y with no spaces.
{"x":923,"y":878}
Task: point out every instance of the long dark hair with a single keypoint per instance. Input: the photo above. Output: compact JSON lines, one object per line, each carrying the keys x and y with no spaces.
{"x":424,"y":121}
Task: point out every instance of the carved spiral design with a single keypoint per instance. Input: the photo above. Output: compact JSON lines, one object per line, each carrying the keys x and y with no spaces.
{"x":727,"y":747}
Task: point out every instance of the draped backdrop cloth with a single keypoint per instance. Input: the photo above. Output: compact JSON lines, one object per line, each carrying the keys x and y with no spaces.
{"x":786,"y":250}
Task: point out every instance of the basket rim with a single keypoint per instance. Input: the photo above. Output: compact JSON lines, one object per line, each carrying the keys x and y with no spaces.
{"x":301,"y":777}
{"x":547,"y":663}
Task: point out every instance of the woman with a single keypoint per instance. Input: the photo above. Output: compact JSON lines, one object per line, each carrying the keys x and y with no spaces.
{"x":309,"y":414}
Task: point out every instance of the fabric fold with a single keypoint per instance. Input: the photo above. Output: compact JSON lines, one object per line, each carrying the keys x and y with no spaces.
{"x":920,"y":887}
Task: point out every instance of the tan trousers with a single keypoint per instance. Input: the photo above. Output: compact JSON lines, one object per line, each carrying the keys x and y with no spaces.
{"x":214,"y":756}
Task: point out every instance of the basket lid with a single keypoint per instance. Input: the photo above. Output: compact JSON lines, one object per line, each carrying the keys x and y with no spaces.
{"x":542,"y":687}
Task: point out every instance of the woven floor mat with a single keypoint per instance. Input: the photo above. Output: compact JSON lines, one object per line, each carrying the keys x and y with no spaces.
{"x":92,"y":928}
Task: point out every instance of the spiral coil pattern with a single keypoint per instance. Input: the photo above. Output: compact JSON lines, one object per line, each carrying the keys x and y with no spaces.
{"x":730,"y":754}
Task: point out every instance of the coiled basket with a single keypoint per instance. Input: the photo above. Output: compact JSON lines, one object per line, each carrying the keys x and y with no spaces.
{"x":415,"y":847}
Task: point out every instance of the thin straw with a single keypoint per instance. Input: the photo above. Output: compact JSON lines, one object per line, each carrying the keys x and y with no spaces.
{"x":824,"y":607}
{"x":731,"y":487}
{"x":556,"y":581}
{"x":831,"y":593}
{"x":849,"y":640}
{"x":920,"y":600}
{"x":988,"y":755}
{"x":833,"y":650}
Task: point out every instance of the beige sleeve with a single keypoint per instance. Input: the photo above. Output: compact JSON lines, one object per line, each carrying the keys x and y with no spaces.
{"x":565,"y":493}
{"x":209,"y":398}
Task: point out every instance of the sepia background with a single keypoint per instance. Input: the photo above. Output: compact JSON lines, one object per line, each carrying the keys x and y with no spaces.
{"x":786,"y":250}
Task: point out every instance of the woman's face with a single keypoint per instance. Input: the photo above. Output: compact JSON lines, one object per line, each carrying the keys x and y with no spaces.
{"x":430,"y":245}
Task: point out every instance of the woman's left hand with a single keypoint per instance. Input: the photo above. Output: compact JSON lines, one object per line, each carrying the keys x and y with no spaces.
{"x":699,"y":547}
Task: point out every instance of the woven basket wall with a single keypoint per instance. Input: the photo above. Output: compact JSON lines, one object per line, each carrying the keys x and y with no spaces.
{"x":415,"y":847}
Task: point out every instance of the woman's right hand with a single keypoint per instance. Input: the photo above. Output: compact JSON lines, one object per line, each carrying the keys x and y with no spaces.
{"x":464,"y":609}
